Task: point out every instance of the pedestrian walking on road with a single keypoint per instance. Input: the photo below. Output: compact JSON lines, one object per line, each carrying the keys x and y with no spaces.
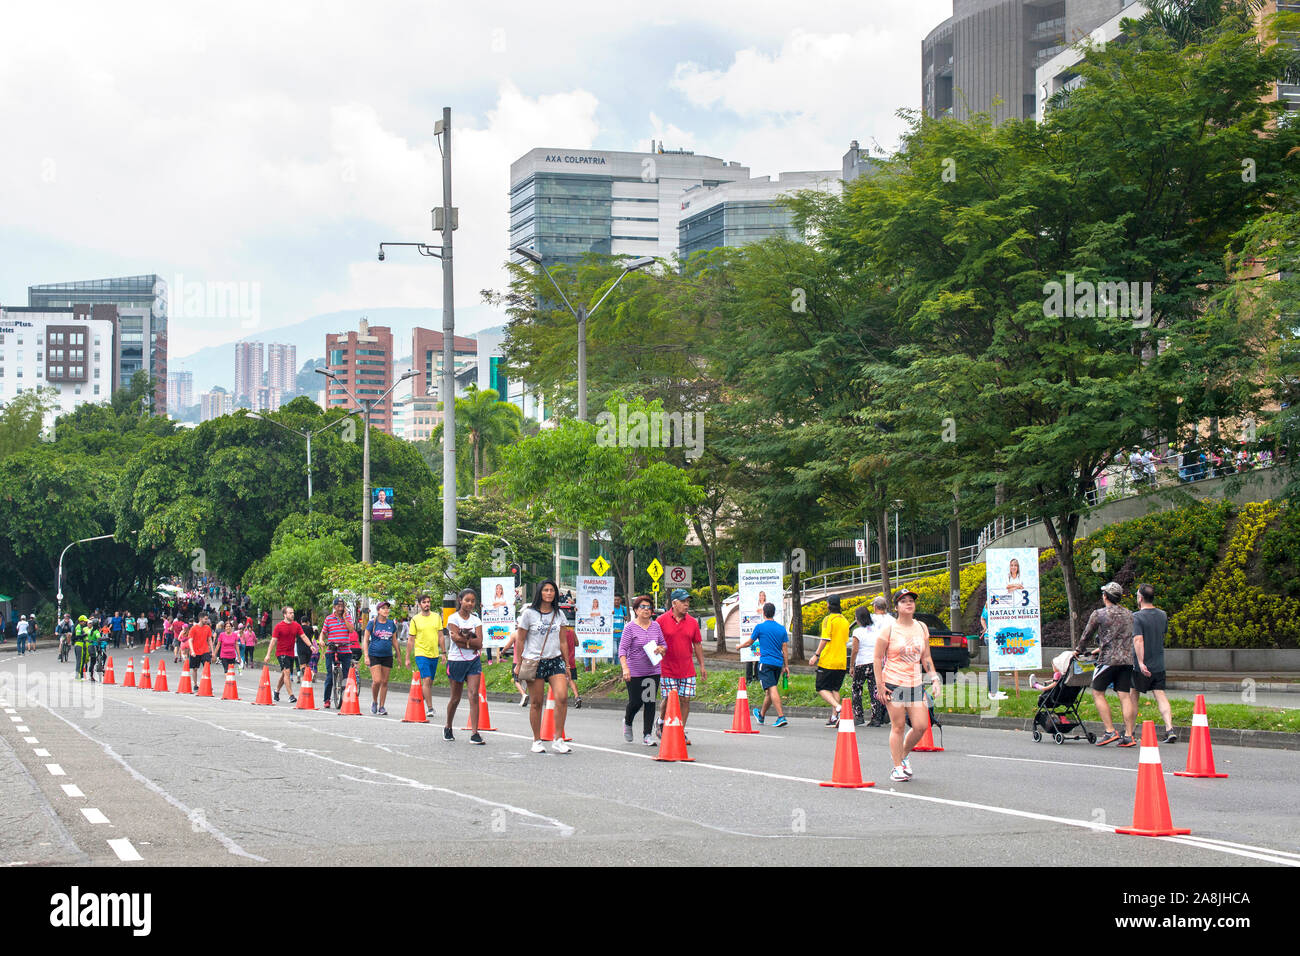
{"x":902,"y":657}
{"x":1149,"y":627}
{"x":464,"y":667}
{"x":284,"y":644}
{"x":641,"y":648}
{"x":831,"y":657}
{"x":683,"y":639}
{"x":539,"y":662}
{"x":425,"y":643}
{"x":1112,"y":625}
{"x":773,"y":661}
{"x":248,"y":642}
{"x":199,"y":647}
{"x":227,"y":647}
{"x":21,"y":629}
{"x":381,"y":635}
{"x":870,"y":621}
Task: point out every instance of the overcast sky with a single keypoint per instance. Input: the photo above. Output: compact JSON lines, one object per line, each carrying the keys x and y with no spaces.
{"x":275,"y":144}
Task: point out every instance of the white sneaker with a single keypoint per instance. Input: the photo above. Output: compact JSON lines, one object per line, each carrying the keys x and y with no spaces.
{"x":560,"y":747}
{"x":998,"y":696}
{"x":907,"y":766}
{"x":538,"y":747}
{"x":627,"y":732}
{"x":899,"y":775}
{"x":650,"y":741}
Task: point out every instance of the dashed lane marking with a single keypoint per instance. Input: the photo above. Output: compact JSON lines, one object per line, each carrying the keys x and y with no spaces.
{"x":72,"y":790}
{"x":124,"y":850}
{"x":94,"y":815}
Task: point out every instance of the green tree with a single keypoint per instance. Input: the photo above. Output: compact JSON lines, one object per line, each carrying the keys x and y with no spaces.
{"x":485,"y":425}
{"x":22,"y":419}
{"x":296,"y":573}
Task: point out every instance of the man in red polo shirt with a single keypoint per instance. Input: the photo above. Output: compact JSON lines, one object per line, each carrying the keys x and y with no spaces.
{"x":682,"y":638}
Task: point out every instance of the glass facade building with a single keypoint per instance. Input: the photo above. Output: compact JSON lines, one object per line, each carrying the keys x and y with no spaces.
{"x":736,"y":214}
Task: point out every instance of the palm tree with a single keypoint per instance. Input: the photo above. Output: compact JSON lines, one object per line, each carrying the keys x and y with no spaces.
{"x":484,"y":426}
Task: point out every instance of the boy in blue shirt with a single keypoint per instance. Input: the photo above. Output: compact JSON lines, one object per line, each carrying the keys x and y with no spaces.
{"x":773,"y":650}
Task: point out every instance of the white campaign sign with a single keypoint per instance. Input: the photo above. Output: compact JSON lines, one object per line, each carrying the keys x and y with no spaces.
{"x":497,"y":611}
{"x":594,"y":616}
{"x":759,"y":584}
{"x":1015,"y":622}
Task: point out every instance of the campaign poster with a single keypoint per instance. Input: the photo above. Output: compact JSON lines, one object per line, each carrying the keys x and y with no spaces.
{"x":1015,"y":622}
{"x":381,"y":504}
{"x":594,"y":617}
{"x":497,"y":611}
{"x":759,"y":584}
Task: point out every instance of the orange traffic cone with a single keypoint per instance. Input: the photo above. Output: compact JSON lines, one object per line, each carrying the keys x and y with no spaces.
{"x":306,"y":696}
{"x":847,"y":772}
{"x":1151,"y":808}
{"x":129,"y":679}
{"x":740,"y":723}
{"x":161,"y":683}
{"x":145,"y":682}
{"x":415,"y":702}
{"x":231,"y":691}
{"x":673,"y":744}
{"x":108,"y":673}
{"x":185,"y":686}
{"x":926,"y":744}
{"x":351,"y":706}
{"x":264,"y":688}
{"x":1200,"y":755}
{"x":205,"y":681}
{"x":484,"y":718}
{"x":548,"y":717}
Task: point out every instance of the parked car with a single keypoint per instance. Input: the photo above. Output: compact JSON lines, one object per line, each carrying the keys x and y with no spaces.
{"x":948,"y":649}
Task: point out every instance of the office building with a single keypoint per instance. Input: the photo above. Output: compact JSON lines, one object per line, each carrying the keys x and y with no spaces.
{"x":491,"y":361}
{"x":565,"y":203}
{"x":737,"y":213}
{"x":363,"y":361}
{"x":74,"y":351}
{"x":282,"y":367}
{"x":141,"y":303}
{"x":266,"y":399}
{"x":248,"y":368}
{"x":984,"y":57}
{"x":215,"y":403}
{"x":180,"y":392}
{"x":426,"y":358}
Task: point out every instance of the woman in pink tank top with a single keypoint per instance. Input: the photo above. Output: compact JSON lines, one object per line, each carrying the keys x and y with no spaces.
{"x":902,"y":656}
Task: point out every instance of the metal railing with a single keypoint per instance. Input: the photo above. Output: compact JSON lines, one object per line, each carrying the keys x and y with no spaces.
{"x":868,"y":575}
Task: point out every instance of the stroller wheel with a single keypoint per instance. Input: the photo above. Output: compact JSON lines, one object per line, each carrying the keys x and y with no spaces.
{"x":1038,"y":735}
{"x":1092,"y":738}
{"x":1059,"y":738}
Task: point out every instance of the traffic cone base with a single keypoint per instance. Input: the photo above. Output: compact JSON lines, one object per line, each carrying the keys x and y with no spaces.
{"x":548,"y":717}
{"x":185,"y":686}
{"x":129,"y":679}
{"x":1151,"y":815}
{"x":484,"y":718}
{"x":672,"y":746}
{"x":740,"y":722}
{"x":847,"y":771}
{"x":160,"y":685}
{"x":415,"y":702}
{"x":926,"y":744}
{"x":145,"y":681}
{"x":306,"y":696}
{"x":205,"y":681}
{"x":108,"y":673}
{"x":231,"y":691}
{"x":351,"y":706}
{"x":1200,"y":755}
{"x":264,"y":688}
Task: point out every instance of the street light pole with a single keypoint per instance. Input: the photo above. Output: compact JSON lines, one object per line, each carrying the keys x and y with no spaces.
{"x":305,"y":434}
{"x":58,"y":581}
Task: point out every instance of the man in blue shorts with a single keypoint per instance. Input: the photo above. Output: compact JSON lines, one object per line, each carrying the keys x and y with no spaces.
{"x":773,"y":652}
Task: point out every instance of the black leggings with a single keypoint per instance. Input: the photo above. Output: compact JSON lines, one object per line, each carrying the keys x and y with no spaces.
{"x":865,"y":674}
{"x":642,"y":692}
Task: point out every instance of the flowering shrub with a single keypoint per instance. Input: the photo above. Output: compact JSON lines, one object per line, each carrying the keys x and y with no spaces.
{"x":932,"y":592}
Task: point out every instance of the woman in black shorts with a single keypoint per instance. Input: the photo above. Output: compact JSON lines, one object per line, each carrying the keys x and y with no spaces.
{"x":380,"y":634}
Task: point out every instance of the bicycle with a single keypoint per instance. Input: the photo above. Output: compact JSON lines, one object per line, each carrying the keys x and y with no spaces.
{"x":339,"y":677}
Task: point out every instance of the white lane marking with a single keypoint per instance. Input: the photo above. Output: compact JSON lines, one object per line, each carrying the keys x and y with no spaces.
{"x":1060,"y":763}
{"x":16,"y":720}
{"x":1243,"y":846}
{"x":199,"y":820}
{"x":10,"y":710}
{"x":124,"y":850}
{"x":40,"y":752}
{"x":1266,"y":857}
{"x":30,"y":740}
{"x":565,"y":829}
{"x":23,"y":729}
{"x":72,"y":790}
{"x":94,"y":815}
{"x":55,"y":770}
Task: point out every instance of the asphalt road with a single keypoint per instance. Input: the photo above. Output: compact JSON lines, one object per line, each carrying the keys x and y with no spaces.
{"x":119,"y":774}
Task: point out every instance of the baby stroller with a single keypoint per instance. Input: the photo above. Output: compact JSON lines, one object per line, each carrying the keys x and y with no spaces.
{"x":1058,"y":706}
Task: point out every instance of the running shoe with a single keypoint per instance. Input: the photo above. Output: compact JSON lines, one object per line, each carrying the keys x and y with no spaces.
{"x":627,"y":732}
{"x":1171,"y":737}
{"x":538,"y":747}
{"x":474,"y":738}
{"x":650,"y":741}
{"x":781,"y":722}
{"x":899,"y":775}
{"x":523,"y":700}
{"x":560,"y":747}
{"x":578,"y":703}
{"x":998,"y":696}
{"x":1107,"y":738}
{"x":1127,"y":741}
{"x":907,"y":766}
{"x":327,"y":704}
{"x":276,"y":697}
{"x":292,"y":699}
{"x":383,"y":712}
{"x":758,"y":714}
{"x":447,"y":734}
{"x":833,"y":720}
{"x":374,"y":707}
{"x":687,"y":739}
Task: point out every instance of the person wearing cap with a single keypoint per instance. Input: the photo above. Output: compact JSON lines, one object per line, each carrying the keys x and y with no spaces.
{"x":1112,"y":627}
{"x":378,"y":652}
{"x":831,"y":657}
{"x":335,"y":639}
{"x":683,"y":639}
{"x":901,"y":657}
{"x":64,"y":630}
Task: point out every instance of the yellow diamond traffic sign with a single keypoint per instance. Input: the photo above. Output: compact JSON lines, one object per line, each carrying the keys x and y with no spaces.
{"x":600,"y":565}
{"x":656,"y":570}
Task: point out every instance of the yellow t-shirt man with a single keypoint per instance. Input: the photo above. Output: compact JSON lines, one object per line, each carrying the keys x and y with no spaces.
{"x":835,"y":631}
{"x":424,"y":630}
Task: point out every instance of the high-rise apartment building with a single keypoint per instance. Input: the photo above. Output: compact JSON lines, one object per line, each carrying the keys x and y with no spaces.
{"x":266,"y":399}
{"x":282,"y":367}
{"x":248,"y":368}
{"x":141,"y":303}
{"x":215,"y":403}
{"x":363,"y":361}
{"x":180,"y":391}
{"x":73,"y":351}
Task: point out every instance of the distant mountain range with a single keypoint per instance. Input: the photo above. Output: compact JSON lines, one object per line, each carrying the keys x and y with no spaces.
{"x":215,"y":364}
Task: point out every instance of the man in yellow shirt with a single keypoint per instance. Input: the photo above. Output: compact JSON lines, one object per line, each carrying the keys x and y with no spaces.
{"x":832,"y":657}
{"x":426,"y":642}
